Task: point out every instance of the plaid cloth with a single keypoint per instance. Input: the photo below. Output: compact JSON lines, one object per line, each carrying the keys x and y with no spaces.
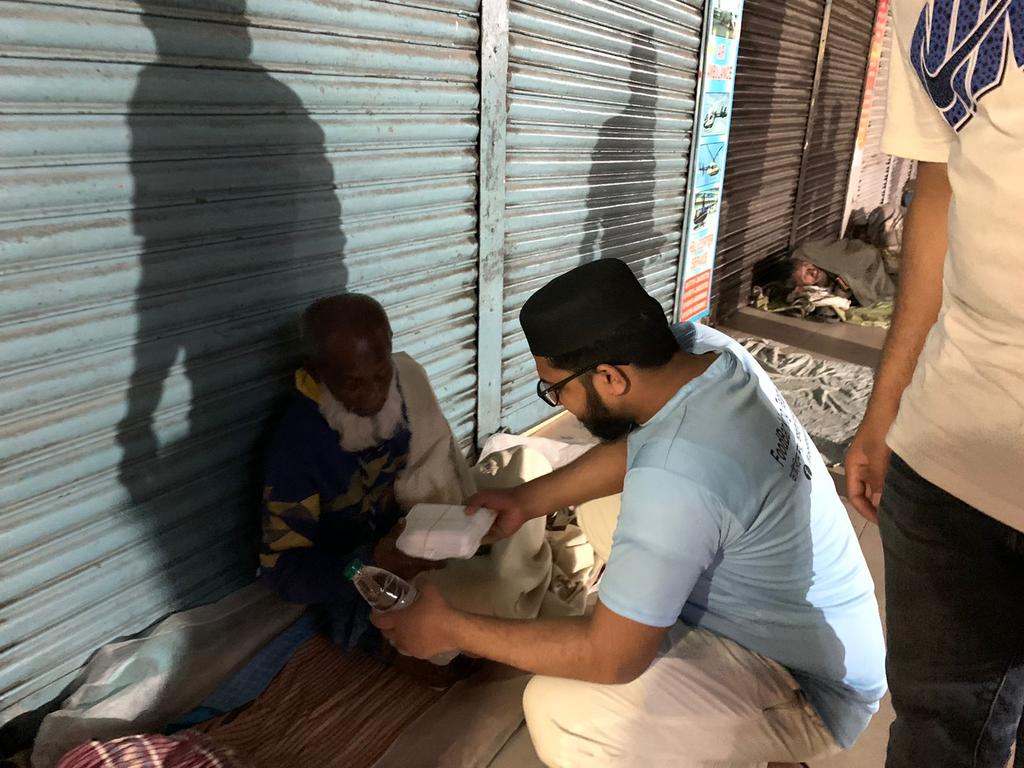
{"x":186,"y":750}
{"x":250,"y":681}
{"x":326,"y":709}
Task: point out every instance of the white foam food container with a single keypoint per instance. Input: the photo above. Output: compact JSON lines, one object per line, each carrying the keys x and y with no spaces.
{"x":444,"y":531}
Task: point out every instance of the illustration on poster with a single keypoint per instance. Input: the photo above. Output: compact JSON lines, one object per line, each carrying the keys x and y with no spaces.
{"x":711,"y":152}
{"x":711,"y":117}
{"x":705,"y":203}
{"x":725,"y":18}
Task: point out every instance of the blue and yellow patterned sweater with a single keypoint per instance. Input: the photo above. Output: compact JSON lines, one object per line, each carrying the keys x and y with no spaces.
{"x":323,"y":506}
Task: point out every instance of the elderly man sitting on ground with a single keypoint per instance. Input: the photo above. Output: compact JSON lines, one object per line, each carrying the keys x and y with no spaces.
{"x":341,"y":462}
{"x":362,"y":440}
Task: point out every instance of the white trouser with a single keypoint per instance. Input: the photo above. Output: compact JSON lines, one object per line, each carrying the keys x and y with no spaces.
{"x":706,"y":701}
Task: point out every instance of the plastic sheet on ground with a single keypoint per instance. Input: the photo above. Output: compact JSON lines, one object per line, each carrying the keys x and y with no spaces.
{"x":829,"y":397}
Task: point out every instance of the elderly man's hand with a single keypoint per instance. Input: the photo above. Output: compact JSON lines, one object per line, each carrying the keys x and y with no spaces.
{"x":424,"y":629}
{"x":386,"y":555}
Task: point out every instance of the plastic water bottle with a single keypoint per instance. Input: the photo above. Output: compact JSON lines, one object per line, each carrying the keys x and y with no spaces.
{"x":386,"y":592}
{"x":381,"y":589}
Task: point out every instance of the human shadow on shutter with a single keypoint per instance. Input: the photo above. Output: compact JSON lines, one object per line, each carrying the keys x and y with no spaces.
{"x":240,"y":228}
{"x":621,"y":183}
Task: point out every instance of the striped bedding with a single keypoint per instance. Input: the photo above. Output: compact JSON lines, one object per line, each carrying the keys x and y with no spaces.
{"x":325,"y":708}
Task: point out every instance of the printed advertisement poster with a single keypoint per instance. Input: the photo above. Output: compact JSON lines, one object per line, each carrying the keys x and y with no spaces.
{"x":870,"y":81}
{"x":711,"y":140}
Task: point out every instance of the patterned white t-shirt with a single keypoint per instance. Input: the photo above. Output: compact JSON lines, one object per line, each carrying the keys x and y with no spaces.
{"x":956,"y":96}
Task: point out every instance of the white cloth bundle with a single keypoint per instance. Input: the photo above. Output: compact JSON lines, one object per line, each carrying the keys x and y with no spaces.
{"x":444,"y":531}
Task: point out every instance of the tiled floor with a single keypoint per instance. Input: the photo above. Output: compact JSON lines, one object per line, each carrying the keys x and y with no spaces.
{"x":869,"y":751}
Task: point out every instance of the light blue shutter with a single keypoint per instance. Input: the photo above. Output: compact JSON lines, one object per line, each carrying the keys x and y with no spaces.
{"x":179,"y":179}
{"x":601,"y":100}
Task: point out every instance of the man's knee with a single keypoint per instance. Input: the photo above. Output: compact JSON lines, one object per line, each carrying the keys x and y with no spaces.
{"x":540,"y":704}
{"x":598,"y":519}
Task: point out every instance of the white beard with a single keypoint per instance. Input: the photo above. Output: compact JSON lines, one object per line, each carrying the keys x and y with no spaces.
{"x":358,"y":433}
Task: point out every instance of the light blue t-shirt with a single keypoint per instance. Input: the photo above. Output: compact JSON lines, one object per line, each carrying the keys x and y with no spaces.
{"x":730,"y":522}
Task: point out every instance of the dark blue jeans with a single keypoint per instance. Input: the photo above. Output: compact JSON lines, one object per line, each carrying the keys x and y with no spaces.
{"x":954,"y":586}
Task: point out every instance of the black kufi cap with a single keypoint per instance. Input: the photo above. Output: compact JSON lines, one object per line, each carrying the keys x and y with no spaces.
{"x":588,"y":304}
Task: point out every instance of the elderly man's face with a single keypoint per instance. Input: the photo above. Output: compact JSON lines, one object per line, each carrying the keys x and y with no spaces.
{"x":358,"y":371}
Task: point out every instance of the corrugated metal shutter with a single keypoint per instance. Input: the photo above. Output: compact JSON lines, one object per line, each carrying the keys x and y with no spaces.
{"x":178,"y":180}
{"x":600,"y":120}
{"x":821,"y":200}
{"x":778,"y":54}
{"x":881,"y":177}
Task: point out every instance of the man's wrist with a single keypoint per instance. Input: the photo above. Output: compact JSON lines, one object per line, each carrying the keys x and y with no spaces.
{"x":455,"y":626}
{"x":881,"y":412}
{"x":531,"y":497}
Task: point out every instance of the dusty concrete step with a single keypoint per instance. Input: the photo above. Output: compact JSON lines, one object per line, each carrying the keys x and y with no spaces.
{"x":842,"y":341}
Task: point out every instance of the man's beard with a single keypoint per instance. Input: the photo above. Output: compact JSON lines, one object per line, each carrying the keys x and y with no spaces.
{"x":357,"y":433}
{"x":599,"y":421}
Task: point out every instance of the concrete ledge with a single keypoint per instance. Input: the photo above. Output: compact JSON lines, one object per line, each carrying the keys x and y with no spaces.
{"x":842,"y":341}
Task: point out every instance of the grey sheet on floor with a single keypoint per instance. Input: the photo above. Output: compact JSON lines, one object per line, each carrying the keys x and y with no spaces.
{"x":827,"y":396}
{"x":467,"y":727}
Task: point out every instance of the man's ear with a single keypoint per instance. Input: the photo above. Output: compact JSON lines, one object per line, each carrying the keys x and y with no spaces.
{"x":611,"y":380}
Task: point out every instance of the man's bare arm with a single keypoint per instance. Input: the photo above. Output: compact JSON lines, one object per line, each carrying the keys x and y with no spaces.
{"x":919,"y":297}
{"x":603,"y":648}
{"x":599,"y":472}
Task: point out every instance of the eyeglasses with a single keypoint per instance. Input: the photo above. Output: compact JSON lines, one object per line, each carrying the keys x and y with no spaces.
{"x":549,"y":392}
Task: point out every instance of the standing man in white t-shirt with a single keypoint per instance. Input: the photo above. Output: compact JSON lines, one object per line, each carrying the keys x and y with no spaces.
{"x":945,"y":428}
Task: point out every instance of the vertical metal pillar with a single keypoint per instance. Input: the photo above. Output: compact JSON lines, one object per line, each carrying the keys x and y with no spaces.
{"x":694,"y":158}
{"x":491,"y":235}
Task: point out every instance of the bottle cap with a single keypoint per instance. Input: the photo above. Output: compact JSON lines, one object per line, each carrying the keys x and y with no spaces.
{"x":353,"y":568}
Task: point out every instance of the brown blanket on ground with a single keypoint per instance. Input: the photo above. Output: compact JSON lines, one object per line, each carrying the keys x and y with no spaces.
{"x":326,"y":708}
